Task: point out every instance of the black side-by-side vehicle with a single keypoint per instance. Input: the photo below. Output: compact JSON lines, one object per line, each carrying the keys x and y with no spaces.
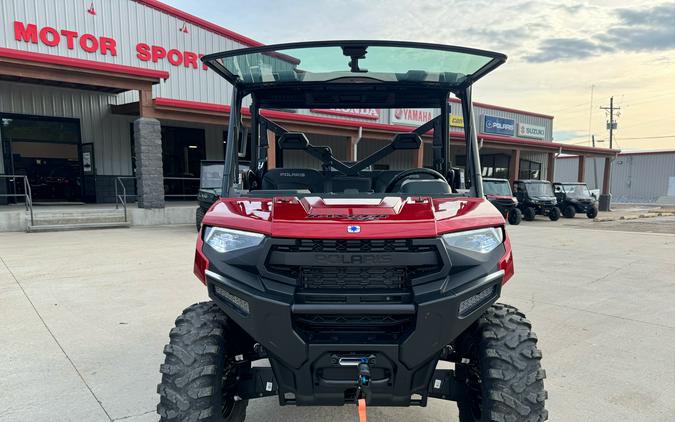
{"x":535,"y":197}
{"x":498,"y":192}
{"x":574,"y":197}
{"x":354,"y":282}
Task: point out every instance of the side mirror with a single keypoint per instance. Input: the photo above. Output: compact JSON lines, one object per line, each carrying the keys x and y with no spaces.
{"x":454,"y":178}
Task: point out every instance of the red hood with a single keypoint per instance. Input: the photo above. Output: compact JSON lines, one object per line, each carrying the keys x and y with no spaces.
{"x":314,"y":217}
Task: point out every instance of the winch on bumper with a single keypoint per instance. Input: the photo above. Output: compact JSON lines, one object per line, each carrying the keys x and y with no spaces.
{"x":314,"y":304}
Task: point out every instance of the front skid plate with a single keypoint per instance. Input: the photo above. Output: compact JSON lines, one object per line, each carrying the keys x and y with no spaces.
{"x":260,"y":382}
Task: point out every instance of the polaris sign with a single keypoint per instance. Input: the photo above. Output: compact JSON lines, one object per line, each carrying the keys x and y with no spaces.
{"x":498,"y":125}
{"x":531,"y":131}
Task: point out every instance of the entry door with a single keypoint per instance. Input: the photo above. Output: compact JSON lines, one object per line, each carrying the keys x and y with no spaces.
{"x":47,"y":151}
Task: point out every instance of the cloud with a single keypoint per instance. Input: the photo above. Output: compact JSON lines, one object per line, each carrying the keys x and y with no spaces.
{"x":564,"y":49}
{"x":636,"y":30}
{"x":643,"y":30}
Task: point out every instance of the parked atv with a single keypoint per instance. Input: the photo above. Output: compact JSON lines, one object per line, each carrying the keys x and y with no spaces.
{"x":535,"y":197}
{"x":353,"y":283}
{"x":575,"y":197}
{"x":498,"y":192}
{"x":210,"y":185}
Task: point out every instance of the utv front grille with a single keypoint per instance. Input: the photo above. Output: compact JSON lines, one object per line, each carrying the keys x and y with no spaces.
{"x":352,"y":278}
{"x":375,"y":327}
{"x":353,"y":264}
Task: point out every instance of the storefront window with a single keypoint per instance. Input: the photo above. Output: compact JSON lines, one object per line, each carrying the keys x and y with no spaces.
{"x":47,"y":151}
{"x":529,"y":170}
{"x":492,"y":165}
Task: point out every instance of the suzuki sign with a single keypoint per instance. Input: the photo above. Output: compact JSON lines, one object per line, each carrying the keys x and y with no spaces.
{"x":531,"y":131}
{"x":498,"y":125}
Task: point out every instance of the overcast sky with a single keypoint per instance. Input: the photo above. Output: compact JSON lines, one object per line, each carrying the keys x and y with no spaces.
{"x":557,"y":51}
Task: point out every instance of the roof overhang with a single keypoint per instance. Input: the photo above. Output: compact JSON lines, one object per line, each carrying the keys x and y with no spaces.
{"x":48,"y":69}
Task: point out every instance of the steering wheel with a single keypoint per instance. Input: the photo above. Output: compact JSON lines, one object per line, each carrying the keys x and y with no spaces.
{"x":407,"y":173}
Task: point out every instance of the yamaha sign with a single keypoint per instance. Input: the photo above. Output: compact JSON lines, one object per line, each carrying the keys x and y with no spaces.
{"x":531,"y":131}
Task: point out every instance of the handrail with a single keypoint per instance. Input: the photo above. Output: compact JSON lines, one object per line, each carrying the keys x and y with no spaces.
{"x":27,"y":192}
{"x":123,"y":197}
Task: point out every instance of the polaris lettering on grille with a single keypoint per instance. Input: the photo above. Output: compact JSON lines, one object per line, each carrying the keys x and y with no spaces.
{"x":353,"y":259}
{"x":348,"y":217}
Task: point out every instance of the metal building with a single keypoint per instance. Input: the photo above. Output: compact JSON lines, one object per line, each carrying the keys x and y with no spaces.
{"x":636,"y":177}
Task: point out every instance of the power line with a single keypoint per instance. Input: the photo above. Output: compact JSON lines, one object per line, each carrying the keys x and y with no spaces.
{"x":649,"y":137}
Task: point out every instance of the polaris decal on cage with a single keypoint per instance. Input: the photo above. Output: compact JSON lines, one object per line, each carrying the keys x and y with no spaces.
{"x":498,"y":125}
{"x":531,"y":131}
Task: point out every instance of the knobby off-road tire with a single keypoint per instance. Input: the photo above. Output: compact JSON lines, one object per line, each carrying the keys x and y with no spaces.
{"x":554,"y":214}
{"x":515,"y":216}
{"x":199,"y":217}
{"x":504,"y":373}
{"x":197,"y":369}
{"x":529,"y":213}
{"x":569,"y":211}
{"x":592,"y":213}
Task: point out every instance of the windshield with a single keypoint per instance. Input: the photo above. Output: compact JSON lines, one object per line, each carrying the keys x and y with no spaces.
{"x":577,"y":191}
{"x":211,"y":176}
{"x":539,"y":189}
{"x":377,"y":60}
{"x":496,"y":187}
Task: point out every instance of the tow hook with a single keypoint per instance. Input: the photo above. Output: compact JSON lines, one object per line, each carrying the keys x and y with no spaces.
{"x":363,"y":389}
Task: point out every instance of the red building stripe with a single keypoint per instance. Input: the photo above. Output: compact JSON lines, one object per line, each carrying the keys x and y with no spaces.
{"x":11,"y":53}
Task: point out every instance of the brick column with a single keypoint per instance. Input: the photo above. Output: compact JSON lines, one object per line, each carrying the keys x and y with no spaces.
{"x":606,"y":196}
{"x":271,"y":150}
{"x":149,"y":170}
{"x":515,"y":166}
{"x":419,"y":159}
{"x":550,"y":168}
{"x":581,"y":171}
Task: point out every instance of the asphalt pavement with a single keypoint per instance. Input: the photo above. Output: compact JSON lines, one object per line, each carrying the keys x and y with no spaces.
{"x":85,"y":316}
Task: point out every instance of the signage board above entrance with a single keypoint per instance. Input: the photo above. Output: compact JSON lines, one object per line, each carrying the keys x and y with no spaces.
{"x":531,"y":131}
{"x":410,"y":116}
{"x":363,"y":113}
{"x":498,"y":125}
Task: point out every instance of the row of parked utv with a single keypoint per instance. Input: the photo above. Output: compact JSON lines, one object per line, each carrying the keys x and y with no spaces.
{"x":530,"y":198}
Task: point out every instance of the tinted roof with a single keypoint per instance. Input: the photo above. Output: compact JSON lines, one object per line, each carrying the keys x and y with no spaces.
{"x":354,"y":62}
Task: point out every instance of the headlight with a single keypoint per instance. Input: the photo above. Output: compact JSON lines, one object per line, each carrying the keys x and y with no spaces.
{"x":481,"y":241}
{"x":227,"y":240}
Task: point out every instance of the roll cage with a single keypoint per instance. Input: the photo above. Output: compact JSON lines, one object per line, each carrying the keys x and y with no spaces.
{"x":273,"y":77}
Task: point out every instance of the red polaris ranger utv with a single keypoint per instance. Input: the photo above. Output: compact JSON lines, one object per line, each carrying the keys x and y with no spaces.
{"x":352,"y":281}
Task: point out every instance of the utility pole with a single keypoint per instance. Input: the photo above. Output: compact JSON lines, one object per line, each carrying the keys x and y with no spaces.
{"x":606,"y":195}
{"x":612,"y":124}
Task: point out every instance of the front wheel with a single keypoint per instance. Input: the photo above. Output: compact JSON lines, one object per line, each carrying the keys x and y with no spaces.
{"x":529,"y":214}
{"x":199,"y":372}
{"x":515,"y":216}
{"x":554,"y":214}
{"x":592,"y":213}
{"x":569,"y":211}
{"x":501,"y":368}
{"x":199,"y":217}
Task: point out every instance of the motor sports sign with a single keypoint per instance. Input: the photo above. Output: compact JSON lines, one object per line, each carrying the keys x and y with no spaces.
{"x":531,"y":131}
{"x":498,"y":125}
{"x":363,"y":113}
{"x":411,"y":116}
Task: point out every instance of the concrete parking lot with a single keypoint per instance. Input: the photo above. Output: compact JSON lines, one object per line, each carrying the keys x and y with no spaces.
{"x":85,"y":316}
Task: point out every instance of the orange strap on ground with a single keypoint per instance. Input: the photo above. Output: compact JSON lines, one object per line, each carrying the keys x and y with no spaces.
{"x":362,"y":410}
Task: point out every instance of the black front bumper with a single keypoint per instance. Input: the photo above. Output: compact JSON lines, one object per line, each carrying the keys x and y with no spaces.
{"x":401,"y":331}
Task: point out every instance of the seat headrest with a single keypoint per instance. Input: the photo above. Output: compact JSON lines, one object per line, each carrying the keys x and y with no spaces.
{"x":425,"y":187}
{"x":406,"y":141}
{"x":293,"y":141}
